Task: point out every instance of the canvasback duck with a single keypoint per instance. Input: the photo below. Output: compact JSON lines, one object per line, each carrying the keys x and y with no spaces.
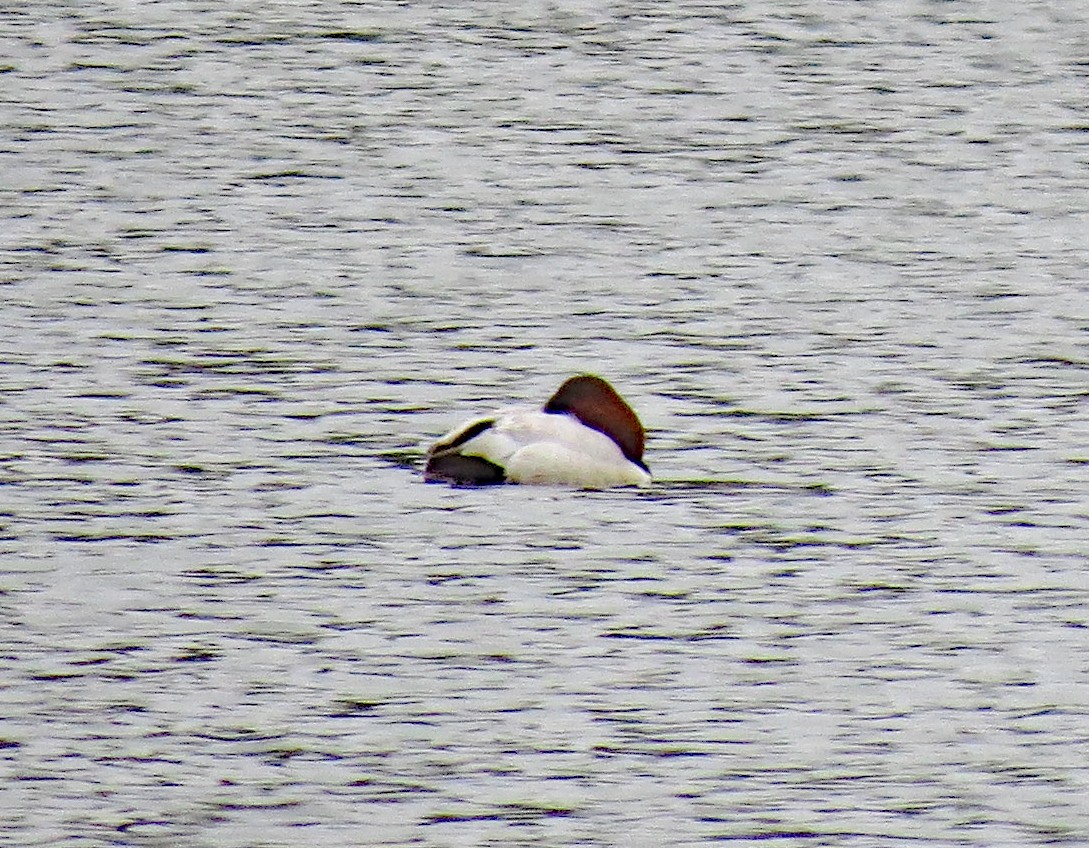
{"x":585,"y":436}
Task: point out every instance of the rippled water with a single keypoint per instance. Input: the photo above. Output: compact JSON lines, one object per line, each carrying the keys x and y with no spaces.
{"x":252,"y":256}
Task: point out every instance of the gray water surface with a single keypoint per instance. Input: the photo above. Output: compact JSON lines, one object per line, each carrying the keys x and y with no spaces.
{"x":254,"y":256}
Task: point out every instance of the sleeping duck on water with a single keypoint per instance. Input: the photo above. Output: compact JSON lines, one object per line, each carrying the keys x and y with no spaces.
{"x":585,"y":436}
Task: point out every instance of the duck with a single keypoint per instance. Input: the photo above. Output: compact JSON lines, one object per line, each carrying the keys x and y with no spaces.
{"x":585,"y":436}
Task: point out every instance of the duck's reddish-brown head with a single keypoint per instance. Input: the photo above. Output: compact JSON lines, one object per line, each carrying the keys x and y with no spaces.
{"x":597,"y":405}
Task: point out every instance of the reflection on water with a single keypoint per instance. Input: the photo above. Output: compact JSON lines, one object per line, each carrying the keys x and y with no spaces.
{"x":253,"y":259}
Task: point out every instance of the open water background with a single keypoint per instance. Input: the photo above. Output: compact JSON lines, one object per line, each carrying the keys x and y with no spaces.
{"x":254,"y":255}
